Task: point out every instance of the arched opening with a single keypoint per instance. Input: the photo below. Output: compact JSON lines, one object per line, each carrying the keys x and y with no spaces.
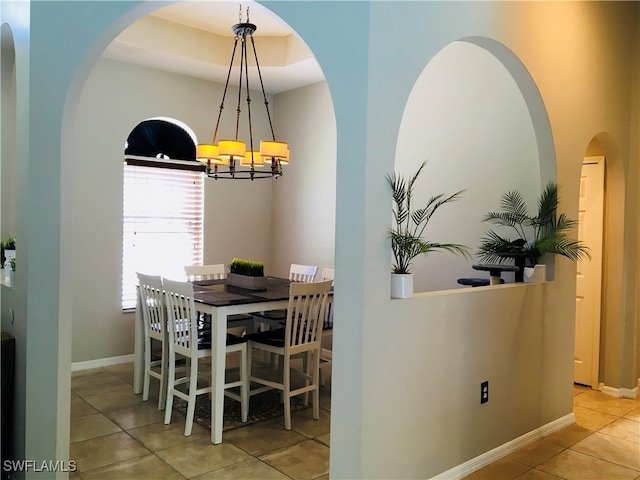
{"x":598,"y":312}
{"x":14,"y":356}
{"x":262,"y":210}
{"x":591,"y":207}
{"x":8,"y":132}
{"x":467,"y":91}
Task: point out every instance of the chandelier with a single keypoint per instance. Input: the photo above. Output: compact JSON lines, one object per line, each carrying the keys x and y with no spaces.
{"x":223,"y":158}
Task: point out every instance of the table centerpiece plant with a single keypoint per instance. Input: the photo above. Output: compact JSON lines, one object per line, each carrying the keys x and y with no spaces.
{"x":247,"y":274}
{"x":536,"y":235}
{"x":409,"y":224}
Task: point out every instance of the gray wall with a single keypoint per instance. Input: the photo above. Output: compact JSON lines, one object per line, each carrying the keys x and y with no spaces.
{"x":369,"y":83}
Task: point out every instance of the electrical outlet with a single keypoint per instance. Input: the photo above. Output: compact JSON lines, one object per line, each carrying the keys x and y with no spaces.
{"x":484,"y":392}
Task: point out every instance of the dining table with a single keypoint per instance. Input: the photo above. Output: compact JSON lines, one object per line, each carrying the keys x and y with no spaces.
{"x":216,"y":298}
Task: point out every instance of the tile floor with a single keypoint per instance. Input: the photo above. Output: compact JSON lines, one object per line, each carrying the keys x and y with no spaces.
{"x":114,"y":435}
{"x":603,"y":444}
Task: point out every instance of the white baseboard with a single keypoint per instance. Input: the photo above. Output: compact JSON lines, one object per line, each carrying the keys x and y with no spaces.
{"x":101,"y":362}
{"x":621,"y":392}
{"x":497,"y":453}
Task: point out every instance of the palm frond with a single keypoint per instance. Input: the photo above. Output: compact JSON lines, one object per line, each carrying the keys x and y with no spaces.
{"x":548,"y":205}
{"x":506,"y":219}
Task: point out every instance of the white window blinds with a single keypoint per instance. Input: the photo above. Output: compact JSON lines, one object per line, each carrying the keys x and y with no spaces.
{"x":162,"y":224}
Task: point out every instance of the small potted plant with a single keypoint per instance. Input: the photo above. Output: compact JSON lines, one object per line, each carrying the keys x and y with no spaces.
{"x":247,"y":274}
{"x":8,"y":251}
{"x":406,"y":234}
{"x":535,"y":235}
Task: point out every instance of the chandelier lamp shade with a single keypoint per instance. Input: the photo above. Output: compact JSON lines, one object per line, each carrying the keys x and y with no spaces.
{"x":222,"y":158}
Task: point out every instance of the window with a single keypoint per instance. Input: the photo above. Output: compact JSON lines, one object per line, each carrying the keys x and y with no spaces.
{"x":162,"y":224}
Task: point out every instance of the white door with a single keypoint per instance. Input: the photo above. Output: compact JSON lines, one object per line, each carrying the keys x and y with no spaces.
{"x":589,"y":273}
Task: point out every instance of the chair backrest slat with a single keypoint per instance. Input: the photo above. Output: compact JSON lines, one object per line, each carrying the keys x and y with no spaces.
{"x":205,"y":272}
{"x":182,"y":315}
{"x":302,"y":273}
{"x":152,"y":302}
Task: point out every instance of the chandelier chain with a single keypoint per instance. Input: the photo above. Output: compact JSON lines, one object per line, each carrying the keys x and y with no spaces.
{"x":264,"y":95}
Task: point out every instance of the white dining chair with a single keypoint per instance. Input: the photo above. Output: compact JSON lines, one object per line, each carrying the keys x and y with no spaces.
{"x":205,"y":272}
{"x":185,"y":340}
{"x":302,"y":273}
{"x":275,"y":318}
{"x":301,"y":335}
{"x":154,"y":320}
{"x":236,"y":324}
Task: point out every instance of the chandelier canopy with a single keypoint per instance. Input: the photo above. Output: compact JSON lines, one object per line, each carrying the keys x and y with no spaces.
{"x":223,"y":157}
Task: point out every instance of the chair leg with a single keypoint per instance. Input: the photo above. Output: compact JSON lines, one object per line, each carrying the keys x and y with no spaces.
{"x":191,"y":406}
{"x":171,"y":378}
{"x":281,"y":370}
{"x":244,"y":387}
{"x":147,"y":367}
{"x":147,"y":378}
{"x":305,"y":369}
{"x":162,"y":400}
{"x":286,"y":380}
{"x":316,"y":390}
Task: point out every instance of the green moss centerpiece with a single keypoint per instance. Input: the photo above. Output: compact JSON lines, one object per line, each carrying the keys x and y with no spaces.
{"x":247,"y":274}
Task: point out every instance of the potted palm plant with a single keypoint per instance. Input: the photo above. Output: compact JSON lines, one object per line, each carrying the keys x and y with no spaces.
{"x":409,"y":224}
{"x":8,"y":249}
{"x":535,"y":235}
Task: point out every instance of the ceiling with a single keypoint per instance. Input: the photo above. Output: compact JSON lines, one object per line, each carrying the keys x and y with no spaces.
{"x":194,"y":38}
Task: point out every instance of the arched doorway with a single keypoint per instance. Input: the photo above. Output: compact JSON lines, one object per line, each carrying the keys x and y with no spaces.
{"x":232,"y":199}
{"x":601,"y":314}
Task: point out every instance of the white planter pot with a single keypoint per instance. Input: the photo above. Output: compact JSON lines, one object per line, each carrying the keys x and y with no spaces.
{"x":536,"y":274}
{"x":401,"y":285}
{"x":9,"y":254}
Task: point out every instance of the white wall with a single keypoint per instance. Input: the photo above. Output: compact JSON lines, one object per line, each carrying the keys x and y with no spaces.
{"x":467,"y":118}
{"x":304,"y":198}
